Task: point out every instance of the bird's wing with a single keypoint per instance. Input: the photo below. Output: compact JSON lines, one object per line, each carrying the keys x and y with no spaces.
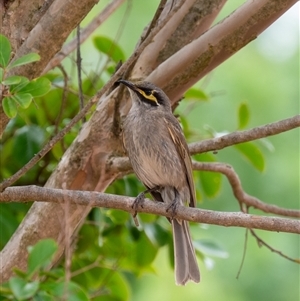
{"x":178,"y":138}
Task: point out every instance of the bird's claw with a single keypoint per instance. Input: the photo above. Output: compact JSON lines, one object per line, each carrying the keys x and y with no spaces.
{"x":138,"y":202}
{"x":173,"y":208}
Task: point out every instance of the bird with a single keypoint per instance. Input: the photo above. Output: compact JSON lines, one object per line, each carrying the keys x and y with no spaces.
{"x":155,"y":144}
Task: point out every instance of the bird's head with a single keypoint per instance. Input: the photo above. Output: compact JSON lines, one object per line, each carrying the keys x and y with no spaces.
{"x":146,"y":93}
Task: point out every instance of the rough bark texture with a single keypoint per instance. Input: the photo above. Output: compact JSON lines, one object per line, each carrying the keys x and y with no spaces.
{"x":86,"y":164}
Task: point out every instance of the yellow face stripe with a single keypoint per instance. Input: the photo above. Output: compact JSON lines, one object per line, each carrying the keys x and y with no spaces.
{"x":150,"y":97}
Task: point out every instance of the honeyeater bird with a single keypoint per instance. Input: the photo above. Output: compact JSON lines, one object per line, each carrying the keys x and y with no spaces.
{"x":159,"y":155}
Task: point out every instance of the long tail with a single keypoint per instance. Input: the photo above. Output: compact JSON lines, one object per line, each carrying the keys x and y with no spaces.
{"x":186,"y":267}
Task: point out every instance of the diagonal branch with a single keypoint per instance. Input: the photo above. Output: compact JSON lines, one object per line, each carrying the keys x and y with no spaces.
{"x":263,"y":131}
{"x":192,"y":62}
{"x":94,"y":199}
{"x":86,"y":32}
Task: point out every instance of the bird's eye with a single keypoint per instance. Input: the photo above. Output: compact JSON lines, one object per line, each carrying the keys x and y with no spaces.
{"x":149,"y":95}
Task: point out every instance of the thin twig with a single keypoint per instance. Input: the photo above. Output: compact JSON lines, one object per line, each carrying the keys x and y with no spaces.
{"x":260,"y":242}
{"x":244,"y":254}
{"x":97,"y":199}
{"x":63,"y":100}
{"x":154,"y":19}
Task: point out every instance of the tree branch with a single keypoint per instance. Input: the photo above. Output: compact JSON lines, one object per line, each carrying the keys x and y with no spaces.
{"x":192,"y":62}
{"x":240,"y":194}
{"x":94,"y":199}
{"x":191,"y":18}
{"x":245,"y":136}
{"x":86,"y":32}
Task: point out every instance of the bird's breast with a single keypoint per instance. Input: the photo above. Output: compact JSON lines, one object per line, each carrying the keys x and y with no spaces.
{"x":152,"y":152}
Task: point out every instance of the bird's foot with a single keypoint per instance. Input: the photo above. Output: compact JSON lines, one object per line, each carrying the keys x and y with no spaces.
{"x":141,"y":198}
{"x":174,"y":205}
{"x":138,"y":202}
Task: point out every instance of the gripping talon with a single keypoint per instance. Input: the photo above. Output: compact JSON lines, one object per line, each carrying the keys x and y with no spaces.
{"x":174,"y":205}
{"x":138,"y":202}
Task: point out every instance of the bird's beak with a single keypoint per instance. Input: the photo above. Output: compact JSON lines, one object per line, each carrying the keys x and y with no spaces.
{"x":127,"y":83}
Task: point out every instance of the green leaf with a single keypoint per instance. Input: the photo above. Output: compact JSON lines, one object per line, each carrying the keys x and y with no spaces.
{"x":41,"y":254}
{"x":9,"y":107}
{"x":1,"y":74}
{"x":17,"y":87}
{"x":211,"y":248}
{"x":28,"y":140}
{"x":12,"y":80}
{"x":196,"y":94}
{"x":144,"y":252}
{"x":244,"y":116}
{"x":37,"y":87}
{"x":22,"y":289}
{"x":25,"y":59}
{"x":109,"y":47}
{"x":73,"y":291}
{"x":158,"y":235}
{"x":20,"y":273}
{"x":253,"y":154}
{"x":119,"y":217}
{"x":209,"y":181}
{"x":5,"y":51}
{"x":43,"y":296}
{"x":23,"y":99}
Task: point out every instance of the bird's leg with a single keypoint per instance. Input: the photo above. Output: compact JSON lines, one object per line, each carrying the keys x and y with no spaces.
{"x":141,"y":198}
{"x":174,"y":205}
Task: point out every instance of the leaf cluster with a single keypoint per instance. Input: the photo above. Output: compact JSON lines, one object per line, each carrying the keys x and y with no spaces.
{"x":18,"y":91}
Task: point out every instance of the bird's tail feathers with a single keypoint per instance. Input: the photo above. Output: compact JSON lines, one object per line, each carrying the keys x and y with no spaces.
{"x":186,"y":267}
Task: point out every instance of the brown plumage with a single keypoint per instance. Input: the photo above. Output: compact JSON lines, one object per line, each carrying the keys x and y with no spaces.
{"x":159,"y":155}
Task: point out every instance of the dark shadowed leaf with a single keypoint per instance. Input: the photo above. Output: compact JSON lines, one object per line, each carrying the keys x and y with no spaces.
{"x":28,"y":141}
{"x":145,"y":251}
{"x":66,"y":291}
{"x":157,"y":234}
{"x":40,"y":255}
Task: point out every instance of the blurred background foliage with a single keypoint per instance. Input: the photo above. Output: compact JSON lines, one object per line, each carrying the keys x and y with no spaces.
{"x":113,"y":260}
